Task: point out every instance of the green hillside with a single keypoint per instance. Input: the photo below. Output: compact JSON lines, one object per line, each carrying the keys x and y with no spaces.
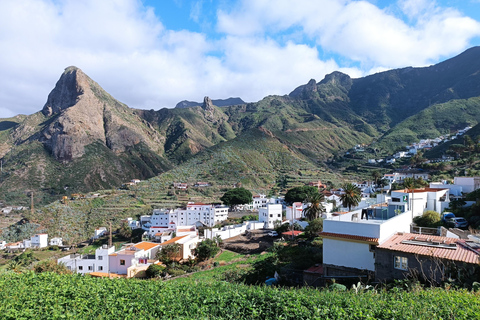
{"x":434,"y":121}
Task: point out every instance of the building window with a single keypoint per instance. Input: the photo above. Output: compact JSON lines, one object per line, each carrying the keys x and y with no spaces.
{"x":100,"y":257}
{"x":100,"y":268}
{"x":401,"y":263}
{"x":80,"y":267}
{"x":90,"y":268}
{"x":122,"y":262}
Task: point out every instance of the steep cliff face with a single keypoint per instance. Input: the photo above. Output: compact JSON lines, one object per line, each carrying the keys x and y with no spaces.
{"x":80,"y":113}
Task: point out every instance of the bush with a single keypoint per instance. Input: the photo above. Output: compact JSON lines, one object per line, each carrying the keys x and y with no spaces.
{"x":51,"y":266}
{"x":429,"y":218}
{"x":154,"y":270}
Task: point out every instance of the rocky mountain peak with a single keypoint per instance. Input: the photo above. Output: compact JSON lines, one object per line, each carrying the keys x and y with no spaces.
{"x":338,"y":78}
{"x":207,"y":104}
{"x":69,"y":87}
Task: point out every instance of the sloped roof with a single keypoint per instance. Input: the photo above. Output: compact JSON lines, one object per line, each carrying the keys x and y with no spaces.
{"x":174,"y":240}
{"x":406,"y":243}
{"x":145,"y":245}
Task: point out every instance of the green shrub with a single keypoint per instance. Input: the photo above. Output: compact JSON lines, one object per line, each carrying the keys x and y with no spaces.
{"x":154,"y":270}
{"x":429,"y":218}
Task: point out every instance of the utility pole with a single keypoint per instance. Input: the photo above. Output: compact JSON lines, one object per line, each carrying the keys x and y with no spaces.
{"x":110,"y":237}
{"x":32,"y":209}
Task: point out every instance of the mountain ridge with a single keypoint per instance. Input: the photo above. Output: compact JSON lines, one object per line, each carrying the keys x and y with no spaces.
{"x":316,"y":120}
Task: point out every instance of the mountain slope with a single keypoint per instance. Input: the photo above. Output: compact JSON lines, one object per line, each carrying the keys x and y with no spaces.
{"x":82,"y":140}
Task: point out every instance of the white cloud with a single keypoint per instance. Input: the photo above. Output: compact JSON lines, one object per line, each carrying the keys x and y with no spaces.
{"x":260,"y":51}
{"x":359,"y":30}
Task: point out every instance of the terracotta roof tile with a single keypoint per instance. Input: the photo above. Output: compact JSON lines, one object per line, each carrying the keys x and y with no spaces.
{"x":460,"y":253}
{"x":349,"y":237}
{"x":144,"y":245}
{"x":173,"y":240}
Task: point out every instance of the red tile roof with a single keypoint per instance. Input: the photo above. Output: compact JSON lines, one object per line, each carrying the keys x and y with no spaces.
{"x":293,"y":232}
{"x":460,"y":253}
{"x":144,"y":245}
{"x":349,"y":237}
{"x":173,"y":240}
{"x":315,"y":269}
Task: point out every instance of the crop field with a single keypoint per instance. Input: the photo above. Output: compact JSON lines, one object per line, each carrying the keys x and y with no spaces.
{"x":52,"y":296}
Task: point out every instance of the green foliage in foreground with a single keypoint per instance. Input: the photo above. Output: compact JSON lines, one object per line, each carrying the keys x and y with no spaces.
{"x":51,"y":296}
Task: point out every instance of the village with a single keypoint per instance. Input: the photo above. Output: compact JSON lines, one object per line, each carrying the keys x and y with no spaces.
{"x":375,"y":240}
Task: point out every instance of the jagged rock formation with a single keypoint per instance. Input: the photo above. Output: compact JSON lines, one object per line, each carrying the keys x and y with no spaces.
{"x":81,"y":113}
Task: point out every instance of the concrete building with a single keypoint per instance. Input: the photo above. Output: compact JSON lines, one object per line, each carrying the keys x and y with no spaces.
{"x":85,"y":264}
{"x":269,"y":214}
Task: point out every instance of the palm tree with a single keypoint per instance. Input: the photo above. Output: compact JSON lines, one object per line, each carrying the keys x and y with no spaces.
{"x":351,"y":197}
{"x":316,"y":208}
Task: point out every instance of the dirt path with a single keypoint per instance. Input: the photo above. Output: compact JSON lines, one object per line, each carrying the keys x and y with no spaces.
{"x":254,"y":241}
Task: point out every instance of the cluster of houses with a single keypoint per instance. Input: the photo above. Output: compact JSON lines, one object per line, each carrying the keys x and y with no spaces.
{"x":133,"y":259}
{"x":37,"y":241}
{"x":378,"y":242}
{"x":423,"y":144}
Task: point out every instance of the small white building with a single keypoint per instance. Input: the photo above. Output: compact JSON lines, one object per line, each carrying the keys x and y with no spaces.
{"x":295,"y":211}
{"x":99,"y":232}
{"x":85,"y":264}
{"x":269,"y":214}
{"x":56,"y":242}
{"x":39,"y":240}
{"x":468,"y":184}
{"x":3,"y":244}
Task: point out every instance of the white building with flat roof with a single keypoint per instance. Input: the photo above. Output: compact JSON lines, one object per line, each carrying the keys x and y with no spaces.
{"x":269,"y":214}
{"x":84,"y":264}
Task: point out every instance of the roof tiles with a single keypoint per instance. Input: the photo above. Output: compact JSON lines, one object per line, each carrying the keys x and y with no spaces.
{"x":462,"y":252}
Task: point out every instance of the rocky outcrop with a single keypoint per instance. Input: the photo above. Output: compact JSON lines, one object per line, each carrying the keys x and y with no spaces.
{"x":82,"y":113}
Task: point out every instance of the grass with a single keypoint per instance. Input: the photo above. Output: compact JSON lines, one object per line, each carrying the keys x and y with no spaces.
{"x":227,"y":256}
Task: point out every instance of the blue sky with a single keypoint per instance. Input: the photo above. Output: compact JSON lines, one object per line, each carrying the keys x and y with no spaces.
{"x":152,"y":54}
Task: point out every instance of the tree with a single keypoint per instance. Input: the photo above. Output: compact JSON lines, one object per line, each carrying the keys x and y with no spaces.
{"x":169,"y":253}
{"x":236,"y":196}
{"x":314,"y":227}
{"x":125,"y":231}
{"x":351,"y":197}
{"x":315,"y":209}
{"x":376,"y":175}
{"x":206,"y":249}
{"x":300,"y":194}
{"x":51,"y":266}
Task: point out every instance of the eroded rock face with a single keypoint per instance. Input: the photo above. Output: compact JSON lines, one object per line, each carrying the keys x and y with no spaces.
{"x":83,"y":113}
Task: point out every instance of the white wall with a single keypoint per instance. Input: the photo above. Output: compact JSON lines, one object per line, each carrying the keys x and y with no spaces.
{"x":348,"y":254}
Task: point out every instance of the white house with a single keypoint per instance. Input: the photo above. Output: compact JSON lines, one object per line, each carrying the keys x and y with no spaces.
{"x":56,"y":242}
{"x":468,"y":184}
{"x":3,"y":244}
{"x":349,"y":241}
{"x":84,"y":264}
{"x":187,"y":244}
{"x":39,"y":240}
{"x":259,"y":200}
{"x":270,"y":213}
{"x":132,"y":259}
{"x":99,"y":232}
{"x":295,"y":211}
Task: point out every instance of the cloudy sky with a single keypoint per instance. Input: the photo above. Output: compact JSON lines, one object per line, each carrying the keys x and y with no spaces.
{"x":152,"y":54}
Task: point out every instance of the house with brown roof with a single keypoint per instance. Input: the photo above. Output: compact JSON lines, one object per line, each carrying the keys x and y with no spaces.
{"x":429,"y":258}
